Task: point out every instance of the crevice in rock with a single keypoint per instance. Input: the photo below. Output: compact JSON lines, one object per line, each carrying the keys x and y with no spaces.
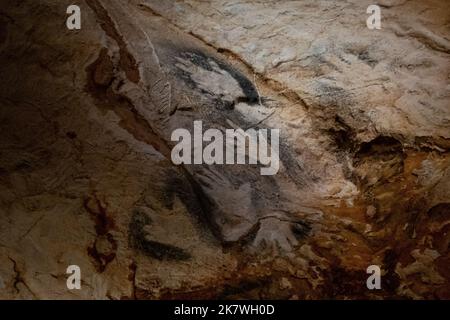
{"x":19,"y":278}
{"x":127,"y":61}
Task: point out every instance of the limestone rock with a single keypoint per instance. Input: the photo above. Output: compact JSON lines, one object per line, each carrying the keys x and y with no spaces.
{"x":86,"y":176}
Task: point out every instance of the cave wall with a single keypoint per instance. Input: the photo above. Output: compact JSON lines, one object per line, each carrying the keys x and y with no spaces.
{"x":86,"y":176}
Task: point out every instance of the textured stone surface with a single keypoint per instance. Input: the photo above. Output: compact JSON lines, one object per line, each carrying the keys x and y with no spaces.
{"x":86,"y":176}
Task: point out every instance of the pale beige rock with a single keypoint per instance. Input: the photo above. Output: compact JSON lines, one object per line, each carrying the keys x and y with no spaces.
{"x":85,"y":171}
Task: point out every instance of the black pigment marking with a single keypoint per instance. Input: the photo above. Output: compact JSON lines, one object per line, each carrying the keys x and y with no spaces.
{"x":365,"y":57}
{"x":191,"y":195}
{"x":203,"y":61}
{"x":332,"y":96}
{"x":300,"y":229}
{"x":151,"y":248}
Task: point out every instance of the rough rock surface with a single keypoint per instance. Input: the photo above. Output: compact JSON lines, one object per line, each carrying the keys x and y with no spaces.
{"x":86,"y":176}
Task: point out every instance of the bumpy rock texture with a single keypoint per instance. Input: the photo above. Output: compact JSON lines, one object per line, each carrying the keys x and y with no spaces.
{"x":86,"y":176}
